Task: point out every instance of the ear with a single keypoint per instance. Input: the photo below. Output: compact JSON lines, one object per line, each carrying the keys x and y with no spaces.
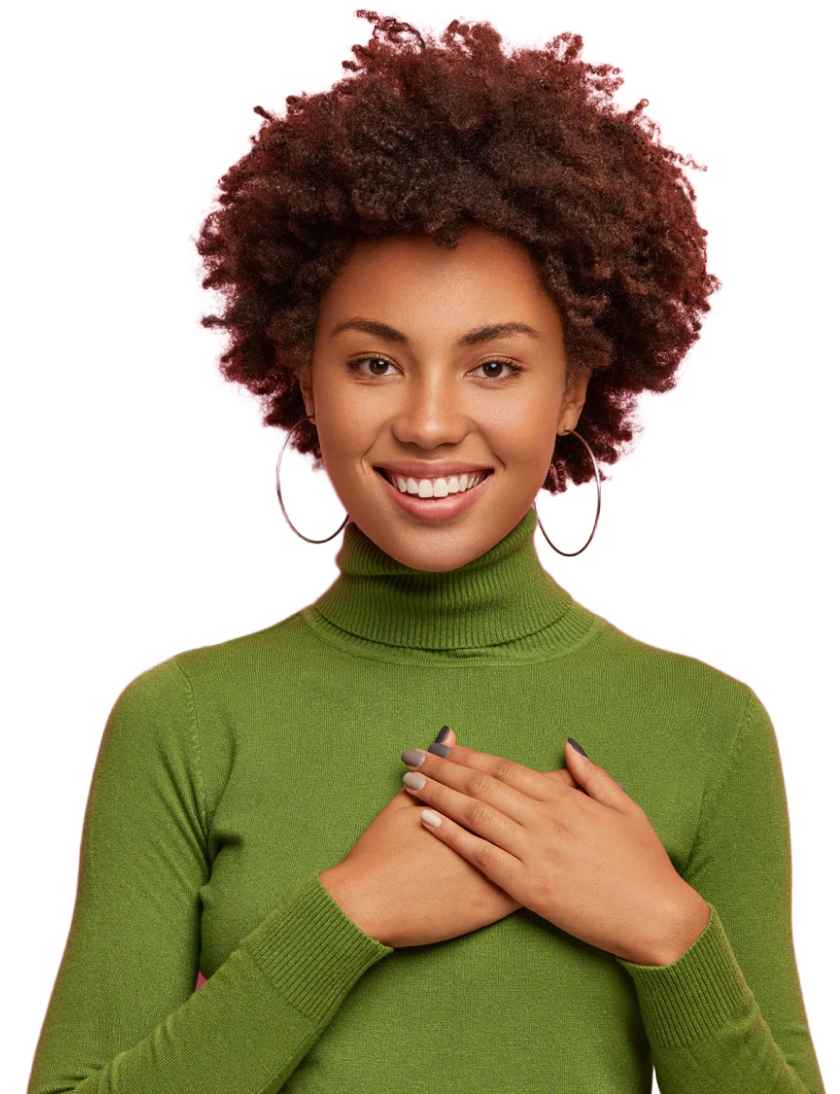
{"x":575,"y":396}
{"x":305,"y":385}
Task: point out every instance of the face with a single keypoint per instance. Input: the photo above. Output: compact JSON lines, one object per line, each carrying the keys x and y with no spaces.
{"x":436,"y":369}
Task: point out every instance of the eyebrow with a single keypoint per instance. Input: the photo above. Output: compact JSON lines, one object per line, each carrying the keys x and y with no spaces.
{"x":471,"y":338}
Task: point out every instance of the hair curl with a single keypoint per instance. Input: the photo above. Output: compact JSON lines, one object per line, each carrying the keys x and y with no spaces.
{"x":433,"y":135}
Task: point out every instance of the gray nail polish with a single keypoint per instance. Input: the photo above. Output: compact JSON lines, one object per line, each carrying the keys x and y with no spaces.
{"x":621,"y":785}
{"x":412,"y":756}
{"x":577,"y":747}
{"x":438,"y":747}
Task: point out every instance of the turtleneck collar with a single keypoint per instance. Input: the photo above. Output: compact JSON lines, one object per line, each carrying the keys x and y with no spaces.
{"x":502,"y":600}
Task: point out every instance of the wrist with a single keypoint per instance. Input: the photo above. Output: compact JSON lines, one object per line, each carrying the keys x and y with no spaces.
{"x":688,"y":919}
{"x":348,"y":895}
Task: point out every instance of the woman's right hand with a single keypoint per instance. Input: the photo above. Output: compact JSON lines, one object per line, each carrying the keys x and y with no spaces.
{"x":403,"y":887}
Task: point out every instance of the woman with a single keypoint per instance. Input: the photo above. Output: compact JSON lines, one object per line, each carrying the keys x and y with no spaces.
{"x":448,"y":277}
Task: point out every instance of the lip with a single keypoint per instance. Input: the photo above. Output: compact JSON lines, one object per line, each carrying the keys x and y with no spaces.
{"x":442,"y":469}
{"x":436,"y":509}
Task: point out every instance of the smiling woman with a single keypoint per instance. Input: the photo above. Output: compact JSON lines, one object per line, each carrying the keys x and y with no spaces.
{"x":409,"y":391}
{"x":432,"y":274}
{"x":431,"y":138}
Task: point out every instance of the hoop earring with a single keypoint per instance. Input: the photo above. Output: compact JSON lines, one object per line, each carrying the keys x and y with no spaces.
{"x":281,"y":503}
{"x":595,"y":523}
{"x":339,"y":530}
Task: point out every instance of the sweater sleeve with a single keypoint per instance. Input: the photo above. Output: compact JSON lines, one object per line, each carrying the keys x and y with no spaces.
{"x":728,"y":1014}
{"x":123,"y":1016}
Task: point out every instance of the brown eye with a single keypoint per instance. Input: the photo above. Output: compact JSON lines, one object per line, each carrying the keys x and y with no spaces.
{"x":357,"y":367}
{"x":379,"y":365}
{"x":496,"y":368}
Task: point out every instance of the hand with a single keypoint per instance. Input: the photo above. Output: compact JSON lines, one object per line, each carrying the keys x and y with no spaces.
{"x":576,"y":850}
{"x":404,"y":889}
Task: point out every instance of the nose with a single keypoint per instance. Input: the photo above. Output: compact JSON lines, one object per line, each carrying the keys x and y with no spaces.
{"x":430,"y":413}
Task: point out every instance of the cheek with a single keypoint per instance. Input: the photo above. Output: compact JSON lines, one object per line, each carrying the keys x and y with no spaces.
{"x":347,"y":433}
{"x":524,"y":440}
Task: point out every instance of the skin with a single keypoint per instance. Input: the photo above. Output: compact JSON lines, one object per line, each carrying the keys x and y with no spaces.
{"x":436,"y":401}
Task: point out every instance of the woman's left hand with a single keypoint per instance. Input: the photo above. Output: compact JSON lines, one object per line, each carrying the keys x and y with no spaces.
{"x":585,"y":857}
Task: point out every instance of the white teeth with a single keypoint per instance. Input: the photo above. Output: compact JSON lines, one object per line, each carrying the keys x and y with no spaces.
{"x":435,"y":488}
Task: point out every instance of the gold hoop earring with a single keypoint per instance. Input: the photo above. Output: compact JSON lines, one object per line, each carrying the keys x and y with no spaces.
{"x":280,"y":495}
{"x":571,"y":554}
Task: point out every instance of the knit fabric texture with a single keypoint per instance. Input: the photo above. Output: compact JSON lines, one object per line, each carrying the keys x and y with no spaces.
{"x":230,"y":776}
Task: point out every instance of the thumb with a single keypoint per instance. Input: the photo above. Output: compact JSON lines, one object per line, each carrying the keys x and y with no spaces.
{"x":595,"y":780}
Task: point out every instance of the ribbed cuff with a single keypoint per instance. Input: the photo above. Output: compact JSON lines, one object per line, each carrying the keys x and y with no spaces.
{"x":311,"y":950}
{"x":695,"y":995}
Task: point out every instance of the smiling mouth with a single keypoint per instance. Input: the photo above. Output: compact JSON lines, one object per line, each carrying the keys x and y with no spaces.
{"x":431,"y":499}
{"x":442,"y":487}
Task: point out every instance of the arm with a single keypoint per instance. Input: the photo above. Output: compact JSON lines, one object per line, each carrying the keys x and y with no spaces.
{"x":728,"y":1014}
{"x":123,"y":1016}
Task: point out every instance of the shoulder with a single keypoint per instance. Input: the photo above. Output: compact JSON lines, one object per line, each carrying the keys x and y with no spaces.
{"x":219,"y":664}
{"x":676,"y":688}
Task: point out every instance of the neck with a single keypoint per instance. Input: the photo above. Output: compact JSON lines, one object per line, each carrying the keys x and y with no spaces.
{"x":503,"y":604}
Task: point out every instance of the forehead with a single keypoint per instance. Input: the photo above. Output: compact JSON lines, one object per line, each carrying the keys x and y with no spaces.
{"x":404,"y":277}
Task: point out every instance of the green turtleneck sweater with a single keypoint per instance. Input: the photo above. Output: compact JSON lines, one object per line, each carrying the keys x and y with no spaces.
{"x":230,"y":776}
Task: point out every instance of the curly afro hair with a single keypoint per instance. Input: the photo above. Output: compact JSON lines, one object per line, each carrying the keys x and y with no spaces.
{"x":432,"y":135}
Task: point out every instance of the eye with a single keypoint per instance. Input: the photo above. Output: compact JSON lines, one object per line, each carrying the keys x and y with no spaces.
{"x":356,"y":367}
{"x":361,"y":360}
{"x":508,"y":364}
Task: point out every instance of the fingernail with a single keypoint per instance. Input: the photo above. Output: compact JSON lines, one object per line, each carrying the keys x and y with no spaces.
{"x":438,"y":747}
{"x":621,"y":785}
{"x":413,"y":780}
{"x":412,"y":756}
{"x":577,"y":747}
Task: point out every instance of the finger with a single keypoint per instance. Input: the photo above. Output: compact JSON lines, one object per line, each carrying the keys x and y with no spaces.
{"x":463,"y":789}
{"x":596,"y":781}
{"x":473,"y":813}
{"x":442,"y":744}
{"x":492,"y":861}
{"x":561,"y":774}
{"x":526,"y":780}
{"x":450,"y":741}
{"x":446,"y":739}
